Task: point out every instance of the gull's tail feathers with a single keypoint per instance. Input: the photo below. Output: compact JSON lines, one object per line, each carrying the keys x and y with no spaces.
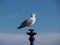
{"x":20,"y":27}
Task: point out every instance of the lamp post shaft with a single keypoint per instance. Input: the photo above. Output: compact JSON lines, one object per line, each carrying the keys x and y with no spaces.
{"x":31,"y":34}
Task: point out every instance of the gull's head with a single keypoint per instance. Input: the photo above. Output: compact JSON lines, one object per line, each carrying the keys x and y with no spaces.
{"x":33,"y":15}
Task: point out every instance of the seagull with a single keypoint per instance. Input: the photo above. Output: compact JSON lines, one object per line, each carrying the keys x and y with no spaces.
{"x":29,"y":22}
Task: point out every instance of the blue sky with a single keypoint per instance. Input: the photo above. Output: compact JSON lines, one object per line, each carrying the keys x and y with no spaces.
{"x":13,"y":12}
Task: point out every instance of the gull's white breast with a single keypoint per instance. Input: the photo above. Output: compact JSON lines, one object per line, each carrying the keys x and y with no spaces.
{"x":31,"y":21}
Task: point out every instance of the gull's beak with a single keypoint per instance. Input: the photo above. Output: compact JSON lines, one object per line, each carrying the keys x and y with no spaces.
{"x":35,"y":15}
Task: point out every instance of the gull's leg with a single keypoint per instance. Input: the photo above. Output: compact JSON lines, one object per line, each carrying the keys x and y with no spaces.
{"x":30,"y":27}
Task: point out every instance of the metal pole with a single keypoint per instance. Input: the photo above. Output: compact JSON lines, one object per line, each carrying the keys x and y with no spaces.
{"x":31,"y":34}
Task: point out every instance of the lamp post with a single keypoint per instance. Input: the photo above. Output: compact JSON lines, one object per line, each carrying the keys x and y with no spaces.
{"x":31,"y":36}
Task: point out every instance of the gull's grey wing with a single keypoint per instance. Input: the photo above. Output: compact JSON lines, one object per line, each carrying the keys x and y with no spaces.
{"x":23,"y":24}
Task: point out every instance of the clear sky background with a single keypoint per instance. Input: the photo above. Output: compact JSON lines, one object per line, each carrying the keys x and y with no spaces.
{"x":13,"y":12}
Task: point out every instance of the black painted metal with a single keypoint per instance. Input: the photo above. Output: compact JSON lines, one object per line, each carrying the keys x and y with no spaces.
{"x":31,"y":34}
